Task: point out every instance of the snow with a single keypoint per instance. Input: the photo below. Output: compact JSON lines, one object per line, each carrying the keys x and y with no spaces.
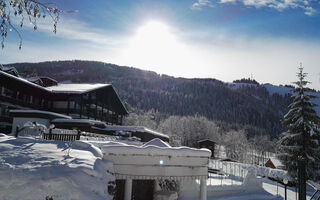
{"x":227,"y":189}
{"x":35,"y":112}
{"x":21,"y":80}
{"x":133,"y":129}
{"x":96,"y":124}
{"x":32,"y":79}
{"x":236,"y":169}
{"x":75,"y":88}
{"x":236,"y":86}
{"x":34,"y":169}
{"x":277,"y":163}
{"x":119,"y":148}
{"x":73,"y":121}
{"x":281,"y":90}
{"x":157,"y":142}
{"x":277,"y":189}
{"x":224,"y":188}
{"x":316,"y":101}
{"x":51,"y":168}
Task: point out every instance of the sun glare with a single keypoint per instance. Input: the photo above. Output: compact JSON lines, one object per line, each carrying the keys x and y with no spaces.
{"x":152,"y":42}
{"x":153,"y":37}
{"x":153,"y":32}
{"x":156,"y":47}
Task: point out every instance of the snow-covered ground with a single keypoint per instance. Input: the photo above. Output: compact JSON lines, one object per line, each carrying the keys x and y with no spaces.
{"x":32,"y":169}
{"x":270,"y":190}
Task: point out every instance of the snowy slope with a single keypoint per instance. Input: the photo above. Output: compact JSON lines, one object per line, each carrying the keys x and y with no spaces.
{"x":33,"y":169}
{"x":316,"y":101}
{"x":281,"y":90}
{"x":274,"y":89}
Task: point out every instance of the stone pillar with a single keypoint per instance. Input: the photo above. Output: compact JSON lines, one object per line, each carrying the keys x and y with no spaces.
{"x":128,"y":189}
{"x":203,"y":189}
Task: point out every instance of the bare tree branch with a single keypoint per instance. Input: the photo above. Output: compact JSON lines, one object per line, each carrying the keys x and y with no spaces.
{"x":12,"y":11}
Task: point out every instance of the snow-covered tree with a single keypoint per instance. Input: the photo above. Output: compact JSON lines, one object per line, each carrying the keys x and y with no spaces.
{"x":236,"y":145}
{"x":190,"y":129}
{"x":303,"y":135}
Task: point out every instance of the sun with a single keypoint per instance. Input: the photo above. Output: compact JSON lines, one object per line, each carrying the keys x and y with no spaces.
{"x":153,"y":37}
{"x":153,"y":32}
{"x":156,"y":46}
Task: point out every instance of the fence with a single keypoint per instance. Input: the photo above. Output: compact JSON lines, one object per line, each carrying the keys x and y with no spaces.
{"x":237,"y":170}
{"x":226,"y":173}
{"x":61,"y":135}
{"x":41,"y":132}
{"x":98,"y":137}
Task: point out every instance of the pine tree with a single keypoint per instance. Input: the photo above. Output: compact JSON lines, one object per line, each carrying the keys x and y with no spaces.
{"x":303,"y":135}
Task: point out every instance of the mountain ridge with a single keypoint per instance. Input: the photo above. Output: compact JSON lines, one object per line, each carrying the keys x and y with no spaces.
{"x":247,"y":106}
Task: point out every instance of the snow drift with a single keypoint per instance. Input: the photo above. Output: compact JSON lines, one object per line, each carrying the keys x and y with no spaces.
{"x":35,"y":169}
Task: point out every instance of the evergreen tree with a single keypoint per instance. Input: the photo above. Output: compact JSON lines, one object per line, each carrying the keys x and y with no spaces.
{"x":303,"y":135}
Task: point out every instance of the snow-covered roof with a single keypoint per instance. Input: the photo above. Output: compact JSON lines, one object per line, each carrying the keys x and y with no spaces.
{"x":157,"y":142}
{"x":32,"y":79}
{"x":135,"y":129}
{"x":9,"y":69}
{"x":60,"y":88}
{"x":76,"y":121}
{"x":155,"y":148}
{"x":79,"y":121}
{"x":75,"y":88}
{"x":38,"y":113}
{"x":21,"y":80}
{"x":277,"y":163}
{"x":63,"y":90}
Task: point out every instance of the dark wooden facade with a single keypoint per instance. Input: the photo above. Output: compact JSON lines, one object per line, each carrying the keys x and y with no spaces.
{"x":98,"y":102}
{"x":270,"y":164}
{"x":209,"y":144}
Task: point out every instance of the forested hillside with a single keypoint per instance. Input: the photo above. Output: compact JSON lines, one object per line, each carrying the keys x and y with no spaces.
{"x":248,"y":106}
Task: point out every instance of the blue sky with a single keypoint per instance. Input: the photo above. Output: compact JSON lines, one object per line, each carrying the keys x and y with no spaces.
{"x":223,"y":39}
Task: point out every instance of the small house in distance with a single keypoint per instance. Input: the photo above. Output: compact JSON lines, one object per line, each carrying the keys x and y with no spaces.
{"x":209,"y":144}
{"x":274,"y":163}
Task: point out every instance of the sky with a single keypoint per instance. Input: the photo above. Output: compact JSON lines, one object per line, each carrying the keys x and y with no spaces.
{"x":223,"y":39}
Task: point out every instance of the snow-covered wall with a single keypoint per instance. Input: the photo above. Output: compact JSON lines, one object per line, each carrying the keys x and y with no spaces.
{"x":156,"y":159}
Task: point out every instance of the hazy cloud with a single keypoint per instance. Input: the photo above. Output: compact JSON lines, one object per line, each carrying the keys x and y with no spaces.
{"x":201,"y":3}
{"x":72,"y":29}
{"x":279,"y":5}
